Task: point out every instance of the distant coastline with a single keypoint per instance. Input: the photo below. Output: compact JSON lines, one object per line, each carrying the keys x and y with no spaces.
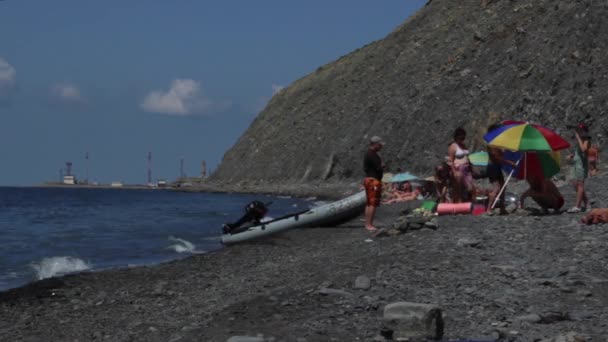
{"x":100,"y":186}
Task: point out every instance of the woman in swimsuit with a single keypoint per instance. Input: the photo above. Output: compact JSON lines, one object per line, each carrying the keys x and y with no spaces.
{"x":458,"y":157}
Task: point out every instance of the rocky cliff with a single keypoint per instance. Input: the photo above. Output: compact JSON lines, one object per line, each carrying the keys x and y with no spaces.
{"x":454,"y":63}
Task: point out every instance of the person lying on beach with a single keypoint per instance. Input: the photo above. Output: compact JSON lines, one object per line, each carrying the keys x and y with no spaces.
{"x":544,"y":193}
{"x":402,"y":193}
{"x":595,"y":216}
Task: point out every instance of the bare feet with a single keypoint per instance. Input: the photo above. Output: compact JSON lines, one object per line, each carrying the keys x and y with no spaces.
{"x":371,"y":229}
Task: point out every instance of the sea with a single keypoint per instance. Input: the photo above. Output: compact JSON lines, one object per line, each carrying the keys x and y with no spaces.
{"x":47,"y":231}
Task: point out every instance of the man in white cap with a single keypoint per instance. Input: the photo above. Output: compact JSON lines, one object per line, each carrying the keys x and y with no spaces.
{"x":372,"y":165}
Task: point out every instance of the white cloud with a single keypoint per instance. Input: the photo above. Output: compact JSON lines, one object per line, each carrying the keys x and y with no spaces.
{"x":184,"y":97}
{"x":8,"y":75}
{"x":66,"y":92}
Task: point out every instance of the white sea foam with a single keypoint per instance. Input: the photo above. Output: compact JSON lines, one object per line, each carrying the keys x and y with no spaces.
{"x":55,"y":266}
{"x":181,"y":245}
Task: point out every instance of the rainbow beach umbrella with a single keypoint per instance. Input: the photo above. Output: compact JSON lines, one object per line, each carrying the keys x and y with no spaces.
{"x":537,"y":165}
{"x":524,"y":136}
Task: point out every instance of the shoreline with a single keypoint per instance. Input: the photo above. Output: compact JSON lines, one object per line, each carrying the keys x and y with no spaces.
{"x":320,"y":190}
{"x":516,"y":267}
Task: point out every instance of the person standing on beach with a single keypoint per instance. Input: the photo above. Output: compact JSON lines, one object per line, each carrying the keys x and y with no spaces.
{"x":373,"y":168}
{"x":580,"y":169}
{"x":594,"y":159}
{"x":495,"y":176}
{"x":458,"y":160}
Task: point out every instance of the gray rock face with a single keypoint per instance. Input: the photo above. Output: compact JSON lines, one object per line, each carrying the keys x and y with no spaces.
{"x":454,"y":63}
{"x":414,"y":320}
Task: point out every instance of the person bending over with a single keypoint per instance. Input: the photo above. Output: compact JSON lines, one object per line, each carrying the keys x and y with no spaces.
{"x":544,"y":193}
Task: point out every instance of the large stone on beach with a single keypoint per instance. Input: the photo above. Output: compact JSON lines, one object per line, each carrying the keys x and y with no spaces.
{"x":530,"y":318}
{"x":414,"y":221}
{"x":414,"y":320}
{"x":363,"y":283}
{"x":401,"y":223}
{"x":245,"y":339}
{"x":468,"y":242}
{"x":567,"y":337}
{"x":324,"y":291}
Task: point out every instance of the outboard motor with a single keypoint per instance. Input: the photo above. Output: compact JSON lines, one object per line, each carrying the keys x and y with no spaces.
{"x":254,"y":213}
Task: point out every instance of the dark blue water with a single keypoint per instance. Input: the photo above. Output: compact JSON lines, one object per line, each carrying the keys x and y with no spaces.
{"x":46,"y":232}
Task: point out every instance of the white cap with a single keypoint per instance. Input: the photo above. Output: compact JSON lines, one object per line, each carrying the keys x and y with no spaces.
{"x":376,"y":140}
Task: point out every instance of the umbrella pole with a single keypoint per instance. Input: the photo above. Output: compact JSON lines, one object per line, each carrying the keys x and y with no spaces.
{"x":525,"y":165}
{"x":504,"y":185}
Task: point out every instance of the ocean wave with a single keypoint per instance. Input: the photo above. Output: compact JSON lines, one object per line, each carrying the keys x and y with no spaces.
{"x":60,"y":265}
{"x":181,"y":245}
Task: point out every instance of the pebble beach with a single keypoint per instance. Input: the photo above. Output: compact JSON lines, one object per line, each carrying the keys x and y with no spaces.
{"x":520,"y":277}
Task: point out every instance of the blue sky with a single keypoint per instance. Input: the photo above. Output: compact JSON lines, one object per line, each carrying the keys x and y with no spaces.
{"x":179,"y":79}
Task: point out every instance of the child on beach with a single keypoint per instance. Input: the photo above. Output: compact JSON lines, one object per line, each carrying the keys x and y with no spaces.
{"x":580,"y":167}
{"x":442,"y":179}
{"x":594,"y":159}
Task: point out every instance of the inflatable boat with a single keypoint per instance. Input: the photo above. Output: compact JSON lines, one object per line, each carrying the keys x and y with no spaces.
{"x":327,"y":214}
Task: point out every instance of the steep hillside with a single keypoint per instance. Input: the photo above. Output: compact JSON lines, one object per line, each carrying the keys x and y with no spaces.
{"x":454,"y":63}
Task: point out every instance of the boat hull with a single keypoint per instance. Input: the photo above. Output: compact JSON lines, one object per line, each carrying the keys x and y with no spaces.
{"x":327,"y":214}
